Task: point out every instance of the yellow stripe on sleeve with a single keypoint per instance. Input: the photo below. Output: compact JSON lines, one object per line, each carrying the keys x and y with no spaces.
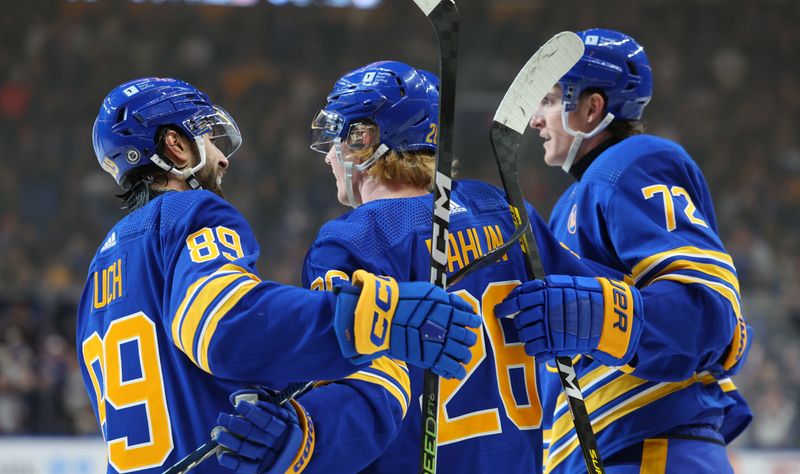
{"x":374,"y":379}
{"x":179,"y":315}
{"x":647,"y":264}
{"x":193,"y":307}
{"x":213,"y":319}
{"x":707,"y":268}
{"x":739,"y":340}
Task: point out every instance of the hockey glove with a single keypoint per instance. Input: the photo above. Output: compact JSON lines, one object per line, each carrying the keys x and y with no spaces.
{"x":415,"y":322}
{"x":565,"y":316}
{"x":264,"y":437}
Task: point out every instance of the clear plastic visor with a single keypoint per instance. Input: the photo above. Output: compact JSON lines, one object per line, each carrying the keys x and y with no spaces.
{"x":328,"y":125}
{"x":220,"y":128}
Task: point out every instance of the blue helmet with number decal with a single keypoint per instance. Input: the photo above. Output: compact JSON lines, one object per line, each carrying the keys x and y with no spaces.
{"x":616,"y":64}
{"x":124,"y":133}
{"x":403,"y":102}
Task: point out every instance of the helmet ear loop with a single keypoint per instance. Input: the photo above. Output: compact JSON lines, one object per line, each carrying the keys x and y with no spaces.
{"x":378,"y":153}
{"x":187,"y":174}
{"x":579,"y":136}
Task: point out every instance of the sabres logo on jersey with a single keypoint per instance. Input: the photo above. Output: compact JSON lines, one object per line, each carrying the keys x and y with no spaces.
{"x":572,"y":221}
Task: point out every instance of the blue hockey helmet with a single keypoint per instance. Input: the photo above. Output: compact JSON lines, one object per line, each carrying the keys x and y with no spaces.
{"x":403,"y":102}
{"x":616,"y":64}
{"x":124,"y":133}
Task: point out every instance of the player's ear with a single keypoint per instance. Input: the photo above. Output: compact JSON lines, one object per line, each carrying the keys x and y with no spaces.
{"x":595,"y":105}
{"x":177,"y":148}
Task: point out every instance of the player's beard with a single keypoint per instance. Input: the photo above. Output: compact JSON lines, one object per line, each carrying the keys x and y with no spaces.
{"x":210,"y":178}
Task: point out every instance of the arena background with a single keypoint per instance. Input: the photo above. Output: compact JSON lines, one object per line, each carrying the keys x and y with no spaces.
{"x":726,"y":87}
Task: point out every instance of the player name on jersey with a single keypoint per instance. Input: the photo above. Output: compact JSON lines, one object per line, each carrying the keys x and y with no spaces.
{"x":107,"y":285}
{"x":468,"y":244}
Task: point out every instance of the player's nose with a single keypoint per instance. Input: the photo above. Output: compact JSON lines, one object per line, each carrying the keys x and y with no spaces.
{"x":223,"y":162}
{"x":537,"y":120}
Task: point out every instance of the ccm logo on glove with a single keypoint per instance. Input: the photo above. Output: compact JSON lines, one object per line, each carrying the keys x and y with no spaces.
{"x":384,"y":303}
{"x":379,"y":296}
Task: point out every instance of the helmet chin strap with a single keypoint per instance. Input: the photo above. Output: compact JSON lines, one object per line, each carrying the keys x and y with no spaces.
{"x":186,"y":173}
{"x":349,"y":165}
{"x":580,"y":136}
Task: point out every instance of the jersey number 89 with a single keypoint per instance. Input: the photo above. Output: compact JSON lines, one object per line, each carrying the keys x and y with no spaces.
{"x":145,"y":386}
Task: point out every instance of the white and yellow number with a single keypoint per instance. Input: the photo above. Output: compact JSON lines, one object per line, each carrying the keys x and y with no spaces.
{"x":506,"y":357}
{"x":669,"y":206}
{"x":204,"y":244}
{"x":147,"y":390}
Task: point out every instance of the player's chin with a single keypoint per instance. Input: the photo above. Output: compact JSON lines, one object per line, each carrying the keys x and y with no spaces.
{"x":551,"y":160}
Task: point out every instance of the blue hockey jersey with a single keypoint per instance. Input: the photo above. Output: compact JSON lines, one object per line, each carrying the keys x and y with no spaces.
{"x":643,"y":208}
{"x":488,"y":422}
{"x":174,"y":317}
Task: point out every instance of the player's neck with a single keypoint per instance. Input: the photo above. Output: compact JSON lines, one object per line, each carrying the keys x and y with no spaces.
{"x":174,"y":183}
{"x":371,"y":191}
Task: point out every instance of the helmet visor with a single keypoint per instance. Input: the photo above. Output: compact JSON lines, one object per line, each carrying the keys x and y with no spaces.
{"x":220,"y":127}
{"x":328,"y":125}
{"x":325,"y":127}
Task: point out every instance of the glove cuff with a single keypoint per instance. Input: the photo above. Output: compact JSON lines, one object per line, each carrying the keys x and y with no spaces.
{"x":364,"y":319}
{"x":306,"y":450}
{"x":622,"y":323}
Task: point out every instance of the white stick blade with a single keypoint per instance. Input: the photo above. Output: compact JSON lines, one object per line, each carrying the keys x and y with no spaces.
{"x":427,"y":6}
{"x":536,"y":78}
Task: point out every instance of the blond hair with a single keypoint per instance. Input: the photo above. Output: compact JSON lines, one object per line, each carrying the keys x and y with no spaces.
{"x":413,"y":168}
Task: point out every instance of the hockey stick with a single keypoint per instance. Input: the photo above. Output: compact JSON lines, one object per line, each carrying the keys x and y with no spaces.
{"x":443,"y":15}
{"x":532,"y":83}
{"x":211,"y":447}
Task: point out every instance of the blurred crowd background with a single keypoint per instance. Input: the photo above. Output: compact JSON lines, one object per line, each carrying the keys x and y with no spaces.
{"x":726,"y":87}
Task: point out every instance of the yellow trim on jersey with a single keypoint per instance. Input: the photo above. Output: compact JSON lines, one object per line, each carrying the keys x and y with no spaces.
{"x":647,"y":264}
{"x":569,"y":250}
{"x":599,"y":423}
{"x":216,"y":315}
{"x":181,"y":312}
{"x":586,"y":382}
{"x":739,"y":340}
{"x":597,"y":399}
{"x":707,"y":268}
{"x":393,"y":370}
{"x":192,"y":309}
{"x":654,"y":456}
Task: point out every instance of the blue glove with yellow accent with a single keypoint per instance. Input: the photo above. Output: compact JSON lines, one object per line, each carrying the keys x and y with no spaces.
{"x":264,"y":437}
{"x":565,"y":316}
{"x":415,"y":322}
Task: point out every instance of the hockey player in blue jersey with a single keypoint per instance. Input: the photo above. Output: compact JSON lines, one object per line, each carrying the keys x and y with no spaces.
{"x":641,"y":206}
{"x":378,"y":134}
{"x":173,"y":317}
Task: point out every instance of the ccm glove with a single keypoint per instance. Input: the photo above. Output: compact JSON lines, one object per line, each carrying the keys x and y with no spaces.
{"x":565,"y":316}
{"x":415,"y":322}
{"x":263,"y":437}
